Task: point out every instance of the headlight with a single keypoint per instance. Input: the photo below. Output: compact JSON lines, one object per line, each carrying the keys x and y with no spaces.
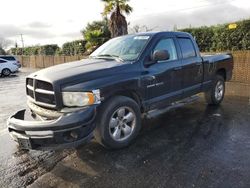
{"x":81,"y":98}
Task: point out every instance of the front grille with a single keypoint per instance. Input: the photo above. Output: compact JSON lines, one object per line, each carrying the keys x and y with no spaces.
{"x":44,"y":85}
{"x":40,"y":92}
{"x":30,"y":93}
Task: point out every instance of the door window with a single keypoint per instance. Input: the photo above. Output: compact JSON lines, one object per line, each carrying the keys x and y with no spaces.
{"x":167,"y":44}
{"x":2,"y":61}
{"x":8,"y":58}
{"x":187,"y":48}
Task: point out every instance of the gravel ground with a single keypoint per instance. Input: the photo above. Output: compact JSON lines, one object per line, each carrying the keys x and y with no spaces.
{"x":193,"y":146}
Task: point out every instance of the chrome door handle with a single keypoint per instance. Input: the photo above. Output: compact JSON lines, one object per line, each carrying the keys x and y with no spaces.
{"x":150,"y":78}
{"x":178,"y":68}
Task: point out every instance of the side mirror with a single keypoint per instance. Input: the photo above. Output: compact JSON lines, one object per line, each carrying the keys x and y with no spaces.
{"x":160,"y":55}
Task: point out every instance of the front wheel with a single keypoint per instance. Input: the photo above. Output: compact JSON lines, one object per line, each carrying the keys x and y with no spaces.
{"x":216,"y":94}
{"x":118,"y":122}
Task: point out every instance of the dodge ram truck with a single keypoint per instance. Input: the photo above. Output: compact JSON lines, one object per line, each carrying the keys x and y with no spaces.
{"x":105,"y":96}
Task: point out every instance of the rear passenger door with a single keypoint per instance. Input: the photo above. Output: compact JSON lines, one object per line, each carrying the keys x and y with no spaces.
{"x":192,"y":67}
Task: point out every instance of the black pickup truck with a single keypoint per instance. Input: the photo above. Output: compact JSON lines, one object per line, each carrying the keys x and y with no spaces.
{"x":105,"y":95}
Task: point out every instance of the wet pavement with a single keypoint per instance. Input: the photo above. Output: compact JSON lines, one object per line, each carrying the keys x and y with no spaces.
{"x":193,"y":146}
{"x":20,"y":168}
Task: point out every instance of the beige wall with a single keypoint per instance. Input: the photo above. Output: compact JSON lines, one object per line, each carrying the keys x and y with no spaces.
{"x":238,"y":89}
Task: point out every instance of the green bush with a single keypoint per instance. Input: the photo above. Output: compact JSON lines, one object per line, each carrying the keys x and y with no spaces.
{"x":36,"y":50}
{"x":76,"y":47}
{"x":49,"y":49}
{"x":203,"y":36}
{"x":221,"y":38}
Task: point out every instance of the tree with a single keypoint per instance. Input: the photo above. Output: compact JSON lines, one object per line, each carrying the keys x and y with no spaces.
{"x":2,"y":51}
{"x":140,"y":28}
{"x":117,"y":24}
{"x":5,"y":43}
{"x":95,"y":34}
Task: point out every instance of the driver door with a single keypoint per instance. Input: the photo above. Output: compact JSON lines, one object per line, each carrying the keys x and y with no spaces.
{"x":163,"y":79}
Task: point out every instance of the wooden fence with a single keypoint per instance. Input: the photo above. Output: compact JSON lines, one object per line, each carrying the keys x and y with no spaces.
{"x":241,"y":72}
{"x":46,"y":61}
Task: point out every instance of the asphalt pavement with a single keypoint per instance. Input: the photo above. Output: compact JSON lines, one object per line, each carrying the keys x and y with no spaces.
{"x":20,"y":168}
{"x":194,"y":146}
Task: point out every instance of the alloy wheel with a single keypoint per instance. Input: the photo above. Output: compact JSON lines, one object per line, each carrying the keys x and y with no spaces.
{"x":122,"y":123}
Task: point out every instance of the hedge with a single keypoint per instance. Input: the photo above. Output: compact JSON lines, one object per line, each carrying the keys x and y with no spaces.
{"x":76,"y":47}
{"x":50,"y":49}
{"x":221,"y":38}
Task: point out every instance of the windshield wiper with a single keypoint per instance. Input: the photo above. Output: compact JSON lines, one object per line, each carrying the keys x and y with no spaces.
{"x":116,"y":57}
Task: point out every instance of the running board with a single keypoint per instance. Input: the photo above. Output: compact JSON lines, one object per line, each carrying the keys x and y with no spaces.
{"x":154,"y":113}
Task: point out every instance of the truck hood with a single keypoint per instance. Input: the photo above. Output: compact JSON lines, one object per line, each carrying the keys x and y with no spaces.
{"x":78,"y":70}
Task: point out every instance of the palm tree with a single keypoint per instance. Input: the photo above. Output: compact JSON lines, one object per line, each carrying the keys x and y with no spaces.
{"x":117,"y":24}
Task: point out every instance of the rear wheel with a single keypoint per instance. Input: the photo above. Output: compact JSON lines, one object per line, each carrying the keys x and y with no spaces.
{"x":118,"y":122}
{"x":6,"y":72}
{"x":216,"y":94}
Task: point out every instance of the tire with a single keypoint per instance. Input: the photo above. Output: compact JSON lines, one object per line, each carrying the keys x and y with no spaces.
{"x":6,"y":72}
{"x":118,"y":122}
{"x":216,"y":94}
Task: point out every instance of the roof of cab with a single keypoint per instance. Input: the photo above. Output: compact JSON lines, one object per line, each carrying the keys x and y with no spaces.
{"x":175,"y":33}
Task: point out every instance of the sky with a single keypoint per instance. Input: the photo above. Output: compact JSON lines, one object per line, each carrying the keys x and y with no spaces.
{"x":58,"y":21}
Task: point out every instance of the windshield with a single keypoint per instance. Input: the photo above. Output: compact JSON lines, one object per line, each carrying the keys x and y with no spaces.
{"x":126,"y":48}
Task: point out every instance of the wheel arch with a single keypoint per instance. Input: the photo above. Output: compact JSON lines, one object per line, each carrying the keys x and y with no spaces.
{"x":222,"y":72}
{"x":130,"y":94}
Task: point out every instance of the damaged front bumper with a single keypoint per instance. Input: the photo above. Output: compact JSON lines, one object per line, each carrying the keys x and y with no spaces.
{"x":68,"y":130}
